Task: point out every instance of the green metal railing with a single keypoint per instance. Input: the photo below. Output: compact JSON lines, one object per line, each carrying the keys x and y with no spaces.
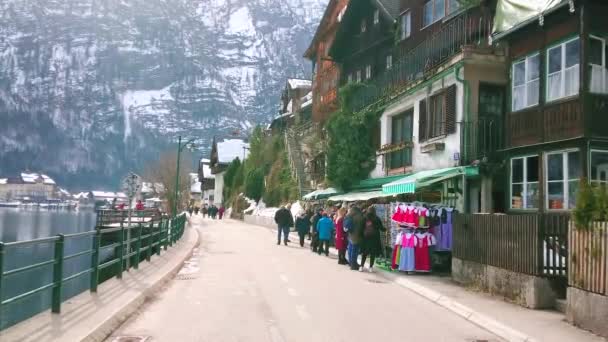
{"x":147,"y":238}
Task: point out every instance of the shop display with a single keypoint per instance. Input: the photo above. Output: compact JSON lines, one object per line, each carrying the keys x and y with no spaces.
{"x":417,"y":230}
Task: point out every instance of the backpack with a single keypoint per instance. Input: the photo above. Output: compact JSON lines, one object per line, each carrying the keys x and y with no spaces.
{"x":369,"y":230}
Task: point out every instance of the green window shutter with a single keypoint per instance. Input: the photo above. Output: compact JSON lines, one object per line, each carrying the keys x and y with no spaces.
{"x":422,"y":121}
{"x":450,"y":110}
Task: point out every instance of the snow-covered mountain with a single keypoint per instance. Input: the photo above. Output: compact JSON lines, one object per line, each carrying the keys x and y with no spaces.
{"x":92,"y":88}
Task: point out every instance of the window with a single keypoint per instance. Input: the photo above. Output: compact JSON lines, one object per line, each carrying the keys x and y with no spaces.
{"x":563,"y":171}
{"x":350,"y":78}
{"x":525,"y":82}
{"x":598,"y":54}
{"x":368,"y":72}
{"x":563,"y":70}
{"x":389,"y":62}
{"x":599,"y":167}
{"x":363,"y":26}
{"x":401,"y":131}
{"x":405,"y":25}
{"x":435,"y":10}
{"x":524,"y":183}
{"x":437,"y":115}
{"x":376,"y":17}
{"x":358,"y":78}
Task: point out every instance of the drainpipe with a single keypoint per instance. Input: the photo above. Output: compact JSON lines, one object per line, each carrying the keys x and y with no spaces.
{"x":463,"y":133}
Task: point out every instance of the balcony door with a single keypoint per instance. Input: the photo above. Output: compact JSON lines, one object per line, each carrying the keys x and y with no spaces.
{"x":401,"y":132}
{"x":490,"y":115}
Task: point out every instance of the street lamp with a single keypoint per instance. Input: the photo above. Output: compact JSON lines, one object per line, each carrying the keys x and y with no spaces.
{"x":180,"y":148}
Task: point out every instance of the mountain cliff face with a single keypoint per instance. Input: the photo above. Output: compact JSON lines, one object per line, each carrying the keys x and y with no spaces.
{"x":92,"y":88}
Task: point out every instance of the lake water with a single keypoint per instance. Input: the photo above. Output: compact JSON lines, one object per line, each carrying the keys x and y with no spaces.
{"x":22,"y":225}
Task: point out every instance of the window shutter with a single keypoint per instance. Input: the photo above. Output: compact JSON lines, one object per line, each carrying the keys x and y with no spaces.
{"x":422,"y":120}
{"x":450,"y":110}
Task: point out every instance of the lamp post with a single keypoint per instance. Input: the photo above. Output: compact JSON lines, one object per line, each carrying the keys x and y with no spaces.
{"x":180,"y":148}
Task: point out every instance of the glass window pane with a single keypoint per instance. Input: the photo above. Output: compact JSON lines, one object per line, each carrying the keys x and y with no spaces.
{"x":599,"y":166}
{"x":532,"y":169}
{"x":555,"y":167}
{"x":517,"y":170}
{"x":555,"y":59}
{"x":572,"y":53}
{"x":554,"y":86}
{"x":517,"y":196}
{"x":439,"y":10}
{"x":555,"y":195}
{"x":574,"y":165}
{"x":454,"y":5}
{"x":532,"y":196}
{"x":519,"y":73}
{"x":572,"y":78}
{"x":595,"y":51}
{"x":533,"y":67}
{"x":519,"y":97}
{"x":428,"y":13}
{"x":572,"y":192}
{"x":532,"y":92}
{"x":408,"y":127}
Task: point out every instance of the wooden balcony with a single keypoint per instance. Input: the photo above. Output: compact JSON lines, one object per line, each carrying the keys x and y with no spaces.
{"x":553,"y":122}
{"x":598,"y":111}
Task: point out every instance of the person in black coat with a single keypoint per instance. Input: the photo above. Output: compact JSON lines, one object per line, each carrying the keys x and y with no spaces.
{"x":284,"y":221}
{"x":315,"y":236}
{"x":371,"y":244}
{"x":302,"y":226}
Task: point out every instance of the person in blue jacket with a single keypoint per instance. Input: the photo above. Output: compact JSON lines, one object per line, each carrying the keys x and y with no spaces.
{"x":325,"y":228}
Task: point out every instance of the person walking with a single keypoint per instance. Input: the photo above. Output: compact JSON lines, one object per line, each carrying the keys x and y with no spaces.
{"x":302,"y":226}
{"x":284,"y":221}
{"x":205,"y":211}
{"x":371,"y":244}
{"x":341,"y":237}
{"x":221,"y":211}
{"x":325,"y":228}
{"x":314,"y":243}
{"x":353,"y":224}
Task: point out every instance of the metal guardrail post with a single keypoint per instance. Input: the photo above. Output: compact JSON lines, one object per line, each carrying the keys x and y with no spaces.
{"x":166,"y":234}
{"x":159,"y":237}
{"x":121,"y":251}
{"x":149,"y":240}
{"x":2,"y":252}
{"x":172,"y":231}
{"x":58,"y":274}
{"x":138,"y":246}
{"x":95,"y":261}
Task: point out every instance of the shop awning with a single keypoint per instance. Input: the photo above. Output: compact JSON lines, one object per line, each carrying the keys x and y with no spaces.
{"x":319,"y":194}
{"x":514,"y":14}
{"x":356,"y":196}
{"x":373,"y":184}
{"x":409,"y":184}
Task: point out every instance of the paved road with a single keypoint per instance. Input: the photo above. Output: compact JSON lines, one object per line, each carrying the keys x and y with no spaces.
{"x":250,"y":289}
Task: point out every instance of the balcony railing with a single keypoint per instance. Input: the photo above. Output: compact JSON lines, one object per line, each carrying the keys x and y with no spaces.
{"x":421,"y":61}
{"x":482,"y":138}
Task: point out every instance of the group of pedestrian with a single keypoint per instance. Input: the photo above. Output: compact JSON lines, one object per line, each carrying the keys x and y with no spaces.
{"x":212,"y":211}
{"x":352,"y":231}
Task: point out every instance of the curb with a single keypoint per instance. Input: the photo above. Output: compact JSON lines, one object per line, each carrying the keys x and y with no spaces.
{"x":105,"y":329}
{"x":483,"y":321}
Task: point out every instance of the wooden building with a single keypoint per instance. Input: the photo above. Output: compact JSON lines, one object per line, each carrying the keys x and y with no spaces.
{"x":326,"y":73}
{"x":557,"y":115}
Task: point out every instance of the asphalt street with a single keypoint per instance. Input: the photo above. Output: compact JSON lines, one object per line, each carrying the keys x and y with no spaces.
{"x":241,"y":286}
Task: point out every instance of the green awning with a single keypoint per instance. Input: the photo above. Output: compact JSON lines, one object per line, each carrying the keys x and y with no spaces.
{"x":513,"y":14}
{"x":371,"y":184}
{"x":357,"y":196}
{"x":319,"y":194}
{"x":409,"y":184}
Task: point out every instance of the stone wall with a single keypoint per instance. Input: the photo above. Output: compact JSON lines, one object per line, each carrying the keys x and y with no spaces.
{"x":526,"y":290}
{"x":588,"y":310}
{"x":260,"y":221}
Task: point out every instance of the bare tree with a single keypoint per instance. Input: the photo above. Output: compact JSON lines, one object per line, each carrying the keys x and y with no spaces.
{"x":164,"y":171}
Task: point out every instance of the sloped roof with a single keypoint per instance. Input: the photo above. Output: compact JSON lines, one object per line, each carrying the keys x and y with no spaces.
{"x":389,"y":7}
{"x":512,"y":15}
{"x":195,"y":185}
{"x":324,"y":21}
{"x":207,"y":169}
{"x":295,"y":83}
{"x":32,"y":177}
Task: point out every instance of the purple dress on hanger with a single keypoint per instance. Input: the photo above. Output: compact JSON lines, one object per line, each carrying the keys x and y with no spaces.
{"x":446,"y":231}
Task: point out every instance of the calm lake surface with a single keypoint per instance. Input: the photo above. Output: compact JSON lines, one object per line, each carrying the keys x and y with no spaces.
{"x":25,"y":224}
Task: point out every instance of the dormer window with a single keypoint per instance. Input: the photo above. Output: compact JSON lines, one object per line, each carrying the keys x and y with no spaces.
{"x":363,"y":26}
{"x":376,"y":17}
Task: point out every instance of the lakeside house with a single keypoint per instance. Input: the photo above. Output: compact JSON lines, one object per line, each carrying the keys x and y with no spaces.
{"x":29,"y":186}
{"x":222,"y":154}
